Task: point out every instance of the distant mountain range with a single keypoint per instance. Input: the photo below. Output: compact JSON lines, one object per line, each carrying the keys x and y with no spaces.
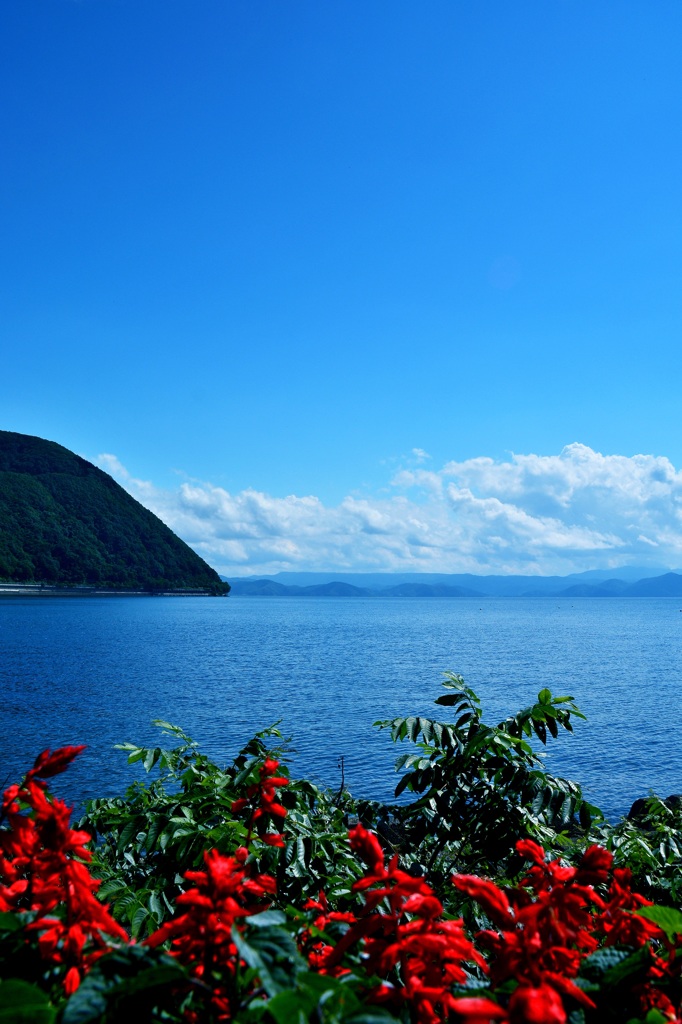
{"x":628,"y":581}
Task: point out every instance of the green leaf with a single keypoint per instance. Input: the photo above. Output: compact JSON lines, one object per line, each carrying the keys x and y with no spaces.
{"x":22,"y":1003}
{"x":321,"y":998}
{"x":545,"y":696}
{"x":156,"y":907}
{"x":155,"y":827}
{"x":540,"y":731}
{"x":577,"y":1016}
{"x":602,"y":961}
{"x":266,"y":919}
{"x":404,"y":782}
{"x":272,"y":953}
{"x":374,"y":1015}
{"x":313,"y":998}
{"x":169,"y":727}
{"x":633,"y":963}
{"x":9,"y":922}
{"x":152,"y":756}
{"x":139,"y":917}
{"x":291,"y":1007}
{"x":110,"y":887}
{"x":114,"y":986}
{"x":412,"y":727}
{"x":129,"y":830}
{"x":566,"y":811}
{"x":137,"y":755}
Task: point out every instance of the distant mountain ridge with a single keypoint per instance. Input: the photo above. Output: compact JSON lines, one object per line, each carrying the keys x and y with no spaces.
{"x":65,"y":522}
{"x":602,"y":584}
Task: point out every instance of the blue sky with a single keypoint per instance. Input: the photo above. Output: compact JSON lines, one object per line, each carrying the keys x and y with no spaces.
{"x":273,"y":248}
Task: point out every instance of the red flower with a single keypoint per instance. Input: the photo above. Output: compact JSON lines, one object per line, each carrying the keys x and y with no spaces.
{"x":71,"y":981}
{"x":261,"y":797}
{"x":618,"y":922}
{"x":531,"y":850}
{"x":491,"y":898}
{"x":595,"y":866}
{"x":399,"y":934}
{"x":273,"y":839}
{"x":368,"y":846}
{"x":547,"y":927}
{"x":49,"y":764}
{"x":201,"y":934}
{"x":540,"y":1004}
{"x":477,"y":1010}
{"x":42,"y":869}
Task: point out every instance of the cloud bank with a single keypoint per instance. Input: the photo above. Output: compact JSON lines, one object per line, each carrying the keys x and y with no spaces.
{"x":529,"y":514}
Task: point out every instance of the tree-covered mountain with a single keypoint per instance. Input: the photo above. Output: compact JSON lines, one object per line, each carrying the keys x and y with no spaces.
{"x":64,"y":521}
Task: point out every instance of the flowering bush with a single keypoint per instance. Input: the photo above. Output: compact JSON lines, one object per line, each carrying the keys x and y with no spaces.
{"x":549,"y":925}
{"x":43,"y":867}
{"x":284,"y":913}
{"x":404,"y":941}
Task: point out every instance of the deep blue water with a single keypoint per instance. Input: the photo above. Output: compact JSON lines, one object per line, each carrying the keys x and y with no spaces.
{"x":97,"y":671}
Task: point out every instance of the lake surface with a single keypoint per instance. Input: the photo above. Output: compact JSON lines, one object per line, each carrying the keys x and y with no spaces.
{"x":97,"y":671}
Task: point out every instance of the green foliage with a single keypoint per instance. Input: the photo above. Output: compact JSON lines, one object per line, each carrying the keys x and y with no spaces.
{"x":131,"y":983}
{"x":148,"y":838}
{"x":157,"y":831}
{"x":476,"y":789}
{"x":16,"y":958}
{"x":64,"y":521}
{"x":480,"y":788}
{"x":22,"y":1002}
{"x":316,"y":855}
{"x":322,"y":1000}
{"x":651,"y":847}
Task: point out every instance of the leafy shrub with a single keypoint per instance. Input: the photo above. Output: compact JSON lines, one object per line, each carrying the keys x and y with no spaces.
{"x":256,"y":898}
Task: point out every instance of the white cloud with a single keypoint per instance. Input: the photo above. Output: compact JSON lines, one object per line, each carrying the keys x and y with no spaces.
{"x":112,"y":465}
{"x":531,"y":513}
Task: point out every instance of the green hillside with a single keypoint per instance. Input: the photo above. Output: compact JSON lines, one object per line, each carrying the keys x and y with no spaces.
{"x":64,"y":521}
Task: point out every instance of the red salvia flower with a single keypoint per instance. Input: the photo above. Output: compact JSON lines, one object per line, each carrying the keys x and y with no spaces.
{"x":595,"y":866}
{"x":201,"y":935}
{"x":401,"y":936}
{"x":49,"y":764}
{"x":42,"y":870}
{"x":489,"y":895}
{"x":618,"y":921}
{"x":261,"y":798}
{"x":546,"y":929}
{"x":540,"y":1004}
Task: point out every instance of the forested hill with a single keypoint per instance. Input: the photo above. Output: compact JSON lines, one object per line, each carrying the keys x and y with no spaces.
{"x":64,"y":521}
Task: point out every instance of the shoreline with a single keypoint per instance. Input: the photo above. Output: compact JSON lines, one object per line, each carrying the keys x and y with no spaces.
{"x":47,"y":590}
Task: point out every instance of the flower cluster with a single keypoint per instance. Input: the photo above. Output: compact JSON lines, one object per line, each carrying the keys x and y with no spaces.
{"x":223,"y":895}
{"x":43,"y":873}
{"x":263,"y":803}
{"x":201,"y":936}
{"x":546,"y":927}
{"x":403,"y":938}
{"x":396,"y":943}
